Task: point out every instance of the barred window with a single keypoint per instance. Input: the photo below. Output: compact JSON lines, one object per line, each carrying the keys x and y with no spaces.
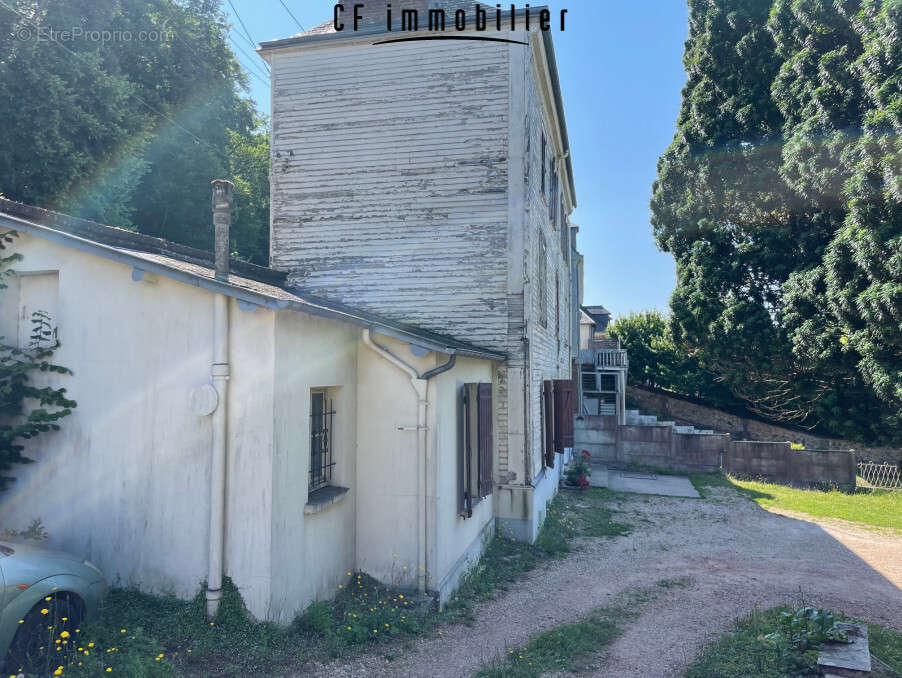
{"x":322,"y":414}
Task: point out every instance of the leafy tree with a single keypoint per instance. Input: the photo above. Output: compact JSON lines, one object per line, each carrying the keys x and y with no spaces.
{"x":775,"y":199}
{"x":864,"y":261}
{"x":26,"y":410}
{"x":128,"y":132}
{"x":657,"y":362}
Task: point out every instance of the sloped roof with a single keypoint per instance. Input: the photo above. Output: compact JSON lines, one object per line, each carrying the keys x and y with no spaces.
{"x":596,"y":310}
{"x":248,"y":283}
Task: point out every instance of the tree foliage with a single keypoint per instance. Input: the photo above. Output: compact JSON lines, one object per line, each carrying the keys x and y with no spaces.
{"x":26,"y":408}
{"x":779,"y":199}
{"x":130,"y":132}
{"x":657,"y":362}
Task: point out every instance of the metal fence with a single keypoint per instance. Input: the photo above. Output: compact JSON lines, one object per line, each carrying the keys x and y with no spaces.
{"x":883,"y":476}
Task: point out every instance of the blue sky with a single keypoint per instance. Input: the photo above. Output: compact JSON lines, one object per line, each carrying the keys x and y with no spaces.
{"x":621,"y":74}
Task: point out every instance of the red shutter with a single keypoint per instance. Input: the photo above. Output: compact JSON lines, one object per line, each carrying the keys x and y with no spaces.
{"x":564,"y":409}
{"x":548,"y":417}
{"x":485,"y":439}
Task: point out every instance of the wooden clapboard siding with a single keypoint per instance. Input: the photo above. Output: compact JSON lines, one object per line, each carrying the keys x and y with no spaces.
{"x":395,"y":197}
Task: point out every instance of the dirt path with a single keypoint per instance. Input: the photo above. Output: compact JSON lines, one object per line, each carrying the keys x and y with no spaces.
{"x":733,"y":556}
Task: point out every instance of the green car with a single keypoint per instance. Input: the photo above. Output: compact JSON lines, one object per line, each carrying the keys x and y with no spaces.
{"x":44,"y":597}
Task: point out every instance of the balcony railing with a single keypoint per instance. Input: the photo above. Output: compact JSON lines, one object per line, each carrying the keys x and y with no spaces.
{"x":611,"y":358}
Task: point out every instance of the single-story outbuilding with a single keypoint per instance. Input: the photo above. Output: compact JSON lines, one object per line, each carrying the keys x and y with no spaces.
{"x":228,"y":424}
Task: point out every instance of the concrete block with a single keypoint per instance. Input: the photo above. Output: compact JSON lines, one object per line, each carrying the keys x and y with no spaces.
{"x":847,"y":660}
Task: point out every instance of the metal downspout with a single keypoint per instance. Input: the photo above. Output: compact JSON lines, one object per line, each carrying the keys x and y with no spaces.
{"x":420,"y":385}
{"x":219,"y":372}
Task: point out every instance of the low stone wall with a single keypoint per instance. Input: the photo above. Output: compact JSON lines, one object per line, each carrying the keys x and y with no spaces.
{"x":662,"y":447}
{"x":650,"y":446}
{"x":685,"y":411}
{"x":779,"y":463}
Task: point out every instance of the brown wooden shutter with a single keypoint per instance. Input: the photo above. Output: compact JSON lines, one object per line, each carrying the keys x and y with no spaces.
{"x":485,"y":439}
{"x":464,"y":501}
{"x":564,"y":409}
{"x":548,"y":417}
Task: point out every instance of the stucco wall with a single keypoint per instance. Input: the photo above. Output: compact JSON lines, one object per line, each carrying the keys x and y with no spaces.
{"x":125,"y":482}
{"x":311,"y":553}
{"x":686,"y":412}
{"x":387,"y":467}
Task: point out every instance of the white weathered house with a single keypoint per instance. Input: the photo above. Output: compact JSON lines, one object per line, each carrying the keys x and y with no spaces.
{"x":430,"y":181}
{"x":396,"y":385}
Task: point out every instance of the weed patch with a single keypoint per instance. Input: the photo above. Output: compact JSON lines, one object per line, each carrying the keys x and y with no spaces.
{"x":747,"y":652}
{"x":569,"y":647}
{"x":166,"y":636}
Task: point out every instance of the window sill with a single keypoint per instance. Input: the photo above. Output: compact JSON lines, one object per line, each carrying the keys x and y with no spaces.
{"x":321,"y":499}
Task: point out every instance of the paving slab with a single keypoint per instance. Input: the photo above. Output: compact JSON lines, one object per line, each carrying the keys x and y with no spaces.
{"x":846,"y":660}
{"x":642,"y":483}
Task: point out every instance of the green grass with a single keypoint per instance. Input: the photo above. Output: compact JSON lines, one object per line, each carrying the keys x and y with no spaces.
{"x":569,"y":647}
{"x":875,"y":508}
{"x":703,"y":482}
{"x":742,"y":654}
{"x":166,"y":636}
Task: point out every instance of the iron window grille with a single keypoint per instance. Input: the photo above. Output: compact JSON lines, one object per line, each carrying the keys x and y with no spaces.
{"x":322,"y":415}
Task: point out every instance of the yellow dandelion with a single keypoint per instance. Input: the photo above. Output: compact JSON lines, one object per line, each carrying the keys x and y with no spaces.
{"x":64,"y":634}
{"x":121,"y":630}
{"x":348,"y":628}
{"x":47,"y":598}
{"x":401,"y":596}
{"x":109,"y":670}
{"x":58,"y":672}
{"x":44,"y":610}
{"x":91,"y":644}
{"x":212,"y":624}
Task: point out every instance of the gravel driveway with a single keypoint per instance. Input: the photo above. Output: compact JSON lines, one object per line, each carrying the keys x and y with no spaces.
{"x":730,"y":554}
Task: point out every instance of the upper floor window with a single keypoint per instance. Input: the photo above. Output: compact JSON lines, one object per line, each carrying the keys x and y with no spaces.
{"x":542,"y":280}
{"x":552,"y":202}
{"x":542,"y":164}
{"x":565,"y":234}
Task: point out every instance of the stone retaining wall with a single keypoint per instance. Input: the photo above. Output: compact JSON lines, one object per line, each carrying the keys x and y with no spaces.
{"x":685,"y":411}
{"x":649,"y":446}
{"x":779,"y":463}
{"x":662,"y":447}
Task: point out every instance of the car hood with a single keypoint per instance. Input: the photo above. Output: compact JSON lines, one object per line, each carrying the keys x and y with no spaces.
{"x":27,"y":550}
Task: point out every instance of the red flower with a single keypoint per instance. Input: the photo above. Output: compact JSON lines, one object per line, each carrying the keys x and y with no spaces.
{"x":586,"y":454}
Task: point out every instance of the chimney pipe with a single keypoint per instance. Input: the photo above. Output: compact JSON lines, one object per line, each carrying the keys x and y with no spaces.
{"x":222,"y":219}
